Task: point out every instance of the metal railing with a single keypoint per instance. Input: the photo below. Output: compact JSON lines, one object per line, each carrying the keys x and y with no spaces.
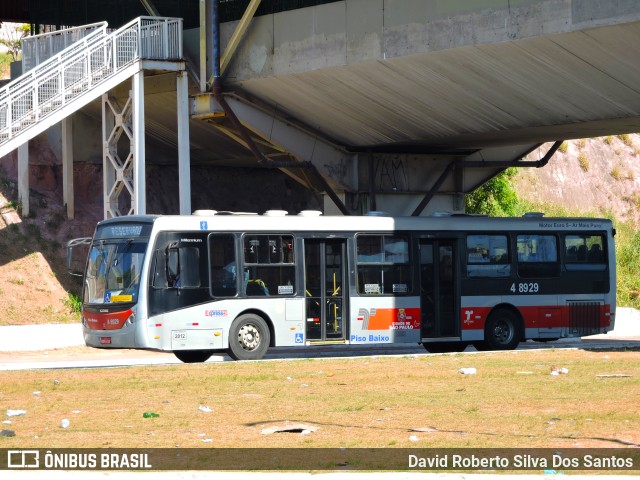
{"x":90,"y":61}
{"x":39,"y":48}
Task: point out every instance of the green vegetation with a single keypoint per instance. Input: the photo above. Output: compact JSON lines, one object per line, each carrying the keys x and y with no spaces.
{"x":10,"y":37}
{"x":616,"y":173}
{"x":564,"y":147}
{"x":74,"y":303}
{"x":583,"y":161}
{"x":626,"y":139}
{"x":628,"y":264}
{"x":496,"y":198}
{"x":5,"y":69}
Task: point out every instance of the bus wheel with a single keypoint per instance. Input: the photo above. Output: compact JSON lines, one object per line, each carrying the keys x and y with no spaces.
{"x":444,"y":347}
{"x":502,"y":331}
{"x":248,"y":338}
{"x":193,"y":356}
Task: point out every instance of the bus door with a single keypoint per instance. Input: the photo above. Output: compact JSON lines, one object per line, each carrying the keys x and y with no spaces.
{"x":439,"y":292}
{"x":324,"y":276}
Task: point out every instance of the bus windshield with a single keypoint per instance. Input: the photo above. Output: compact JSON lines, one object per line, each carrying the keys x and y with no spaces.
{"x":113,"y":271}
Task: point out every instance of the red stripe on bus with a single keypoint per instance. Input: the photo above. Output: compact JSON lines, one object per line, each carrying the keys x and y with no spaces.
{"x":474,"y":318}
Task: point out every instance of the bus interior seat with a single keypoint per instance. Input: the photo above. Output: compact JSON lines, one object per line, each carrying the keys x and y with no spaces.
{"x":256,"y":288}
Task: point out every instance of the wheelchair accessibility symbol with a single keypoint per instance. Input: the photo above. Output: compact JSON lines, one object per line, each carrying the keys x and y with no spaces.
{"x":299,"y":338}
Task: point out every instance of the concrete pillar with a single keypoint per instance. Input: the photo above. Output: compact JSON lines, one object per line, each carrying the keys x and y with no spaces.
{"x":206,"y":43}
{"x":23,"y":177}
{"x":67,"y":165}
{"x":139,"y":201}
{"x":184,"y":161}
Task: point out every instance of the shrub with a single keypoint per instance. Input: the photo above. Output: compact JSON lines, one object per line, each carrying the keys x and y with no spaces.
{"x":616,"y":173}
{"x":626,"y":139}
{"x":583,"y":161}
{"x":496,"y":198}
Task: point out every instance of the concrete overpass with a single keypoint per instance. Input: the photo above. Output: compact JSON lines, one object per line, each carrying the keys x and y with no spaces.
{"x":402,"y":105}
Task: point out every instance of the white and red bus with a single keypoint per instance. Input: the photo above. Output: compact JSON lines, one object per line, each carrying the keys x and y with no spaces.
{"x":241,"y":283}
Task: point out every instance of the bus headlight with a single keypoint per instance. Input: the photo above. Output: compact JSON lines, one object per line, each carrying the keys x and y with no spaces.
{"x":130,"y":319}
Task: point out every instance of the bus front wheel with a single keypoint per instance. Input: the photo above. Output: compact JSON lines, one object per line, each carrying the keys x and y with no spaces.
{"x":502,"y":331}
{"x":248,"y":338}
{"x":193,"y":356}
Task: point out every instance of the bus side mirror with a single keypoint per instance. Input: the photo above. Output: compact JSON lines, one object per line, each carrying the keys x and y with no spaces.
{"x":71,"y":244}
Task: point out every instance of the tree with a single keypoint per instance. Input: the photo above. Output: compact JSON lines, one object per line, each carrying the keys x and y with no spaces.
{"x":10,"y":36}
{"x":495,"y":198}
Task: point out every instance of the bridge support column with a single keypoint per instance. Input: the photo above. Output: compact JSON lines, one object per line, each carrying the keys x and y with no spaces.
{"x":67,"y":165}
{"x":184,"y":161}
{"x":139,"y":203}
{"x":117,"y":174}
{"x":23,"y":177}
{"x":126,"y":176}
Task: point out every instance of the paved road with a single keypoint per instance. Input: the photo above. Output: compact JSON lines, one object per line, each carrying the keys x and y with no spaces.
{"x":61,"y":346}
{"x":91,"y":358}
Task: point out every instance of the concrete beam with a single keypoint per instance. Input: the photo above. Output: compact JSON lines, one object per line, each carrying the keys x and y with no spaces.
{"x":333,"y":163}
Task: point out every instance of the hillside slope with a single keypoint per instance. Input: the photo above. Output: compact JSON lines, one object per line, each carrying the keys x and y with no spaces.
{"x":598,"y":176}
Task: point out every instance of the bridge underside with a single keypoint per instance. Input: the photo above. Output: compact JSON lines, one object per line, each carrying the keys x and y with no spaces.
{"x":397,"y":115}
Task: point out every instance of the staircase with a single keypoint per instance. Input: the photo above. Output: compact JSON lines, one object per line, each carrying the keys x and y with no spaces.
{"x":94,"y":64}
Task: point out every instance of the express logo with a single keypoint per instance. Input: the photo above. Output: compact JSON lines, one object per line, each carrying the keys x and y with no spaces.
{"x":215,"y":313}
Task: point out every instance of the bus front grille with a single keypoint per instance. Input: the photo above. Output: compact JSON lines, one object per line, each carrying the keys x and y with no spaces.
{"x":584,"y":318}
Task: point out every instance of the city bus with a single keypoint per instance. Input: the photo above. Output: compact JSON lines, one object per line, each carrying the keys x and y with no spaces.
{"x":239,"y":283}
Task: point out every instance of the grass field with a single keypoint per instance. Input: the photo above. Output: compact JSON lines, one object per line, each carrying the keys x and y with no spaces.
{"x":412,"y":402}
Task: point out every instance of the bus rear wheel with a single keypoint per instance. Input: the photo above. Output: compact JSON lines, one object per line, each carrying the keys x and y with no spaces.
{"x":248,"y":338}
{"x":444,"y":347}
{"x":502,"y":331}
{"x":193,"y":356}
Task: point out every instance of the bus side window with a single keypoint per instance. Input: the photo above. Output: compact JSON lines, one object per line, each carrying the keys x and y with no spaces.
{"x":160,"y":269}
{"x":488,"y":256}
{"x":222,"y":264}
{"x":383,"y":265}
{"x":537,"y":256}
{"x":585,"y":252}
{"x":269,"y":265}
{"x":183,"y":266}
{"x":173,"y":266}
